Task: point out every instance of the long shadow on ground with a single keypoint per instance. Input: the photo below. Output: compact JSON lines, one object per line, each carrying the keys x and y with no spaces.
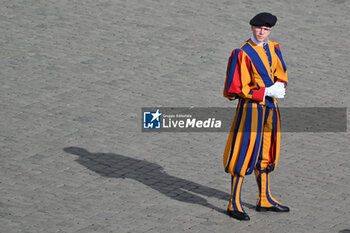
{"x":150,"y":174}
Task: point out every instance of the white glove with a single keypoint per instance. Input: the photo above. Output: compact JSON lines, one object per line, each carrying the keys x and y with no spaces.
{"x":277,"y":90}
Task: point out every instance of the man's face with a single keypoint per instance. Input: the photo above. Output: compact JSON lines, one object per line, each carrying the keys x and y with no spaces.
{"x":260,"y":32}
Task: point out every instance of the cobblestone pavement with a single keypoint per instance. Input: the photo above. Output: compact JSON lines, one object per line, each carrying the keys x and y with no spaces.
{"x":75,"y":75}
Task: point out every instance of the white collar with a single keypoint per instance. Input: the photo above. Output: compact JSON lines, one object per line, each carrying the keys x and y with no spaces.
{"x":259,"y":43}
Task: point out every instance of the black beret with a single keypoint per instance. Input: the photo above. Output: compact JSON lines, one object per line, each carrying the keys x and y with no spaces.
{"x":263,"y":19}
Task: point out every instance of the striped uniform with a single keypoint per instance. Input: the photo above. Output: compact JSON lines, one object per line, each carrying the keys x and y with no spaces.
{"x":254,"y":140}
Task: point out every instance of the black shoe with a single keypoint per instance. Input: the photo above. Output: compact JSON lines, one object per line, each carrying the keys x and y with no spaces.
{"x":238,"y":215}
{"x":276,"y":208}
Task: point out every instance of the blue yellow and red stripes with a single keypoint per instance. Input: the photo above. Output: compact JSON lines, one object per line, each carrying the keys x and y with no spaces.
{"x":254,"y":139}
{"x":251,"y":68}
{"x":269,"y":151}
{"x":253,"y":143}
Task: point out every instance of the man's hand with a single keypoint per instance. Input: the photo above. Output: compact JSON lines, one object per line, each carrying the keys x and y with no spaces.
{"x":277,"y":90}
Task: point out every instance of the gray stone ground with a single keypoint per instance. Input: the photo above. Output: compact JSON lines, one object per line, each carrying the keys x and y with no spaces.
{"x":75,"y":74}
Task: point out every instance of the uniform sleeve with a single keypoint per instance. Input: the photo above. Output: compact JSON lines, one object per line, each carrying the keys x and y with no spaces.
{"x":281,"y":69}
{"x":239,"y":82}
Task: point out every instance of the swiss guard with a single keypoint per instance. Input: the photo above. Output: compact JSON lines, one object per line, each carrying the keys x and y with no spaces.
{"x":257,"y":77}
